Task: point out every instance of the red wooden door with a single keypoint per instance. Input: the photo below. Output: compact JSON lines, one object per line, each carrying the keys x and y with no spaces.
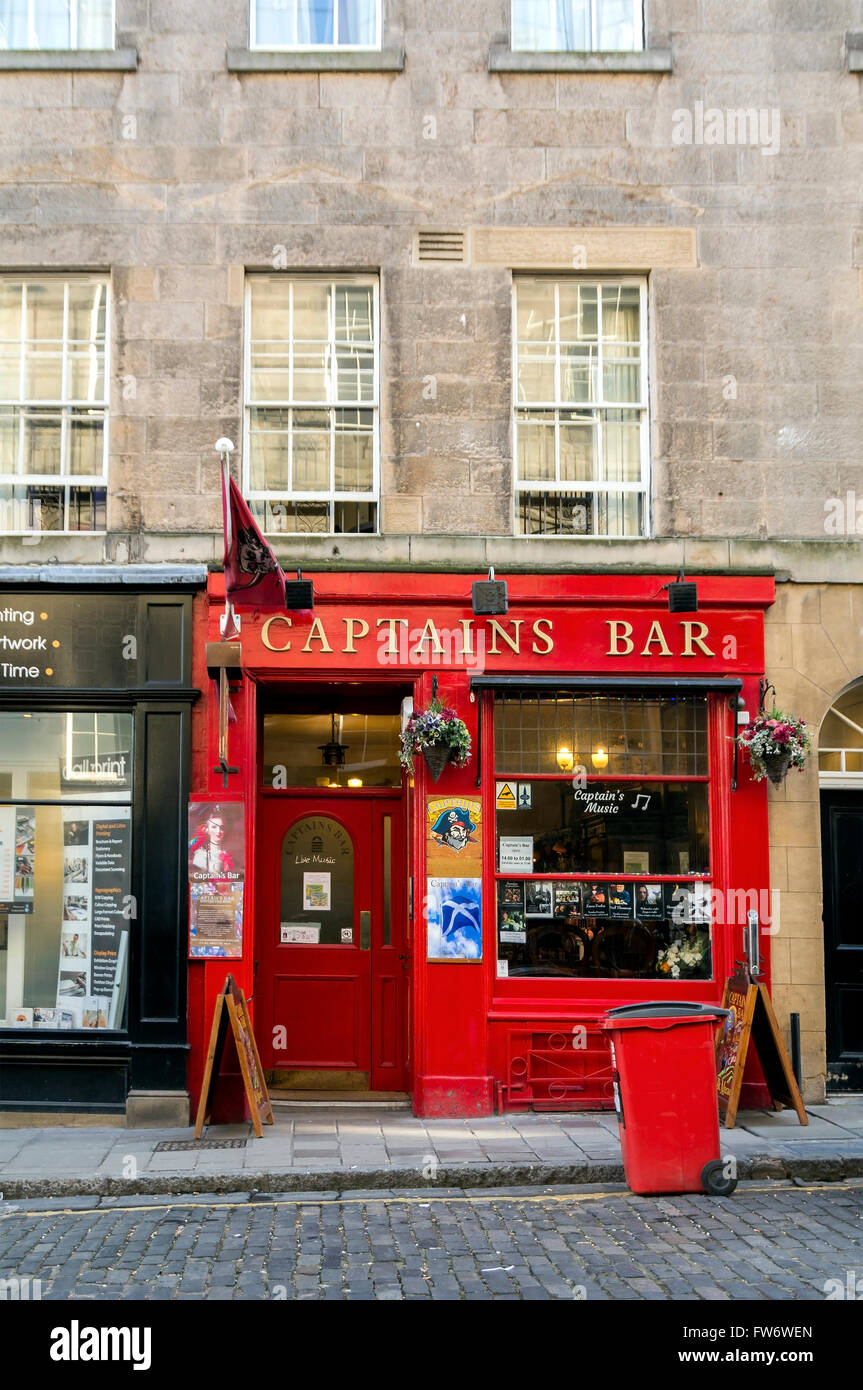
{"x":330,"y":939}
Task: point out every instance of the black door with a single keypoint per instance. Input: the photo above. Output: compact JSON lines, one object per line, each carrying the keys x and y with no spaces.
{"x":842,"y":859}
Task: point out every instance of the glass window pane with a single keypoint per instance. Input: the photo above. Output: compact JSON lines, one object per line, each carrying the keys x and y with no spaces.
{"x":535,"y":448}
{"x":87,"y":509}
{"x":619,"y":25}
{"x":621,"y":374}
{"x":621,"y":446}
{"x":269,"y":451}
{"x":578,"y":312}
{"x":536,"y":377}
{"x":578,"y":373}
{"x":358,"y":22}
{"x":43,"y":376}
{"x":87,"y":309}
{"x":620,"y":314}
{"x":314,"y":21}
{"x":86,"y":435}
{"x":42,"y":434}
{"x":294,"y":741}
{"x":355,"y":376}
{"x":310,"y":371}
{"x":311,"y":452}
{"x":270,"y":310}
{"x":10,"y":307}
{"x":535,"y":311}
{"x":531,"y":25}
{"x":10,"y":372}
{"x":354,"y":307}
{"x":50,"y":28}
{"x":354,"y":455}
{"x":620,"y":514}
{"x":85,"y":375}
{"x":45,"y":310}
{"x":95,"y":28}
{"x":577,"y":448}
{"x":311,"y":311}
{"x":9,"y":421}
{"x":274,"y":23}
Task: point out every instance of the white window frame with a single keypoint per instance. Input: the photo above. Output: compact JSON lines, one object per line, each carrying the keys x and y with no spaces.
{"x":638,"y":28}
{"x":316,"y":47}
{"x":33,"y":46}
{"x":333,"y":496}
{"x":64,"y":480}
{"x":557,"y":486}
{"x":90,"y":778}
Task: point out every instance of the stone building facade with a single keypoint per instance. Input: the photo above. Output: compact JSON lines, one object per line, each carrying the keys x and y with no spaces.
{"x":721,"y":167}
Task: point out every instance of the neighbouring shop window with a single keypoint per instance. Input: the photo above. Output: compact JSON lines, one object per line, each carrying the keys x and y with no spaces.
{"x":317,"y":898}
{"x":581,"y":418}
{"x":53,"y":404}
{"x":56,"y":24}
{"x":602,"y":836}
{"x":577,"y":25}
{"x":312,"y":455}
{"x":294,"y":744}
{"x":316,"y":24}
{"x":66,"y":909}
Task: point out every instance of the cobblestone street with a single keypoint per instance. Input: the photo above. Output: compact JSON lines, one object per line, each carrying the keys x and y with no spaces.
{"x":762,"y":1243}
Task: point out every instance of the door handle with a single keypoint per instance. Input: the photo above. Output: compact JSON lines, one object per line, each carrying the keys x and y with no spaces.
{"x":365,"y":930}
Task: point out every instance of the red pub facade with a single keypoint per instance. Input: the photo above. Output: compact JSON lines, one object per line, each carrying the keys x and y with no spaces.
{"x":459,"y":940}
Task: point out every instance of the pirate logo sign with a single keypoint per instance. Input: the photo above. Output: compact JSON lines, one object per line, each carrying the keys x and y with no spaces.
{"x":454,"y":828}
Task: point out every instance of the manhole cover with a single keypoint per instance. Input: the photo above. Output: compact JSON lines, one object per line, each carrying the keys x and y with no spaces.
{"x":168,"y":1146}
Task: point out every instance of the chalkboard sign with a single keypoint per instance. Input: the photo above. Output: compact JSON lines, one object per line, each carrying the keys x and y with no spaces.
{"x":231,"y":1010}
{"x":752,"y":1019}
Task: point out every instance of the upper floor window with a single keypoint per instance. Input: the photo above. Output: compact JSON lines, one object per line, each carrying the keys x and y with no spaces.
{"x":316,"y":24}
{"x":53,"y":403}
{"x":581,"y":420}
{"x":577,"y":26}
{"x":56,"y":24}
{"x":312,"y":446}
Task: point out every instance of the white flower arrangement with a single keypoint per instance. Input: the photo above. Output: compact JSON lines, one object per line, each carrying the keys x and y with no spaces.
{"x":683,"y":955}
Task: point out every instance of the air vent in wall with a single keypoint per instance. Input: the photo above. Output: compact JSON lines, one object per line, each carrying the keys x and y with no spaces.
{"x":440,"y":248}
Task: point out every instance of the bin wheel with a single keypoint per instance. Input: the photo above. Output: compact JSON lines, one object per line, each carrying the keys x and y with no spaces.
{"x":715,"y":1181}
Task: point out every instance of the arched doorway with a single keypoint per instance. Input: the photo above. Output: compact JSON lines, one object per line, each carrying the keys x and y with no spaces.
{"x":840,"y":774}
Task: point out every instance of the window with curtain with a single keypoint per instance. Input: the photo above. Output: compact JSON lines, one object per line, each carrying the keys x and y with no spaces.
{"x":56,"y":24}
{"x":577,"y":26}
{"x":315,"y":24}
{"x":581,"y":420}
{"x":53,"y":404}
{"x":312,"y":449}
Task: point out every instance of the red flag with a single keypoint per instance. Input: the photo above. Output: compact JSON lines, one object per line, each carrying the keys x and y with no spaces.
{"x":253,"y":576}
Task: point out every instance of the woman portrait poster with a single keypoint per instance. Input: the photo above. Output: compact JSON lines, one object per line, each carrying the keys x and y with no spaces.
{"x":216,"y":841}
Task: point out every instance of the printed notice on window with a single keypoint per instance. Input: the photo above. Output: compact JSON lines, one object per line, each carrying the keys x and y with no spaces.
{"x":516,"y":854}
{"x":317,"y":894}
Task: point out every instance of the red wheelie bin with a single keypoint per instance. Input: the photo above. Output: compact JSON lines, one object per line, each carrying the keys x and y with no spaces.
{"x":663,"y":1059}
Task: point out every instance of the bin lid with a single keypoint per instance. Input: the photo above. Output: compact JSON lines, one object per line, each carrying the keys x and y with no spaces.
{"x":671,"y":1009}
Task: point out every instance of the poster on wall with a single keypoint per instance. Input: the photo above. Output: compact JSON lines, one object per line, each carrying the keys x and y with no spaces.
{"x":17,"y":854}
{"x":453,"y":835}
{"x":96,"y":916}
{"x":454,"y":883}
{"x":454,"y":910}
{"x":217,"y":856}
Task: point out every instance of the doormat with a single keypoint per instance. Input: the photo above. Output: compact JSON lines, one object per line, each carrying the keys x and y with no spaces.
{"x":167,"y":1146}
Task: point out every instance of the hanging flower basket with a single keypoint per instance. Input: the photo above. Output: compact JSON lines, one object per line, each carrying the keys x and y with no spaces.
{"x":439,"y":735}
{"x":437,"y":758}
{"x":776,"y":766}
{"x":775,"y":742}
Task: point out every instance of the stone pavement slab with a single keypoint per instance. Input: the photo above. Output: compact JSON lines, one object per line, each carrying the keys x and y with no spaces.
{"x":334,"y":1147}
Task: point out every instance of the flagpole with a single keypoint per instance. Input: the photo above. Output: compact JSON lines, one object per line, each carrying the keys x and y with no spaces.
{"x":229,"y":623}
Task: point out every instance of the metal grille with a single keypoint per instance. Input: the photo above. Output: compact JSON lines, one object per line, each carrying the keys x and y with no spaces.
{"x":170,"y":1146}
{"x":446,"y":247}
